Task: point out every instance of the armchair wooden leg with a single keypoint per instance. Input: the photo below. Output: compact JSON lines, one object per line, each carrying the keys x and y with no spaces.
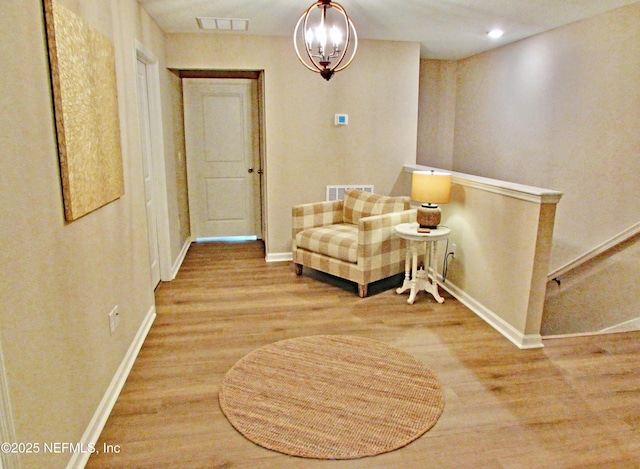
{"x":298,"y":268}
{"x":362,"y":289}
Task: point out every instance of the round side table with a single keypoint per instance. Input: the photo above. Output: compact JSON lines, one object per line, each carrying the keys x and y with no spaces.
{"x":418,"y":279}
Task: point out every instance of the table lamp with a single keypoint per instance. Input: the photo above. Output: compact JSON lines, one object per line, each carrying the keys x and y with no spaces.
{"x":430,"y":188}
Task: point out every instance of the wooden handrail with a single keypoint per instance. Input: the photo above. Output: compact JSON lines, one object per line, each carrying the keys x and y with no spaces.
{"x":596,"y":251}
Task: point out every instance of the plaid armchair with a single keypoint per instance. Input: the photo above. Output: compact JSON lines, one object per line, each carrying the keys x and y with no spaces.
{"x":352,"y":238}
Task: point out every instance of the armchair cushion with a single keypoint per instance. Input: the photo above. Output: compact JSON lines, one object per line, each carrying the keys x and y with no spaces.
{"x":360,"y":204}
{"x":339,"y":241}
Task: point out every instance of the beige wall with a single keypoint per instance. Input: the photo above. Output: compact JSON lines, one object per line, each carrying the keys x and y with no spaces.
{"x":59,"y":280}
{"x":304,"y":150}
{"x":560,"y":110}
{"x":600,"y":294}
{"x":485,"y":266}
{"x":488,"y":229}
{"x":436,"y":113}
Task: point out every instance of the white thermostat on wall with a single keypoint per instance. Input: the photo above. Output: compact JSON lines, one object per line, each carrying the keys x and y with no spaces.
{"x":342,"y":119}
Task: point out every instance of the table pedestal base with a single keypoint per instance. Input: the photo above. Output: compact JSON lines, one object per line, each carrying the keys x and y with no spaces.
{"x":420,"y":283}
{"x":417,"y":279}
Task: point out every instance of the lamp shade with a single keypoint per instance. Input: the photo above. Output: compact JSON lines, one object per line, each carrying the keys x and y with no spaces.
{"x":433,"y":187}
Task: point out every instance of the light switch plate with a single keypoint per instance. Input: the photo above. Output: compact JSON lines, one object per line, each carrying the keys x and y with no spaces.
{"x":342,"y":119}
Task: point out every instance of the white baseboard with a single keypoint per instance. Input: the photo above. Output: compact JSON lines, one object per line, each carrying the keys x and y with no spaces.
{"x":99,"y":419}
{"x":178,"y":262}
{"x":8,"y":460}
{"x":523,"y":341}
{"x":279,"y":257}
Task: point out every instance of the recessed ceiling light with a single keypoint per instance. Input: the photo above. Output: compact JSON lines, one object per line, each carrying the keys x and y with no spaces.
{"x":495,"y":33}
{"x":223,"y":24}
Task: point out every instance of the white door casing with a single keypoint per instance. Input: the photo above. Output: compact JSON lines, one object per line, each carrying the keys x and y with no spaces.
{"x":148,"y":173}
{"x":223,"y":158}
{"x":167,"y":270}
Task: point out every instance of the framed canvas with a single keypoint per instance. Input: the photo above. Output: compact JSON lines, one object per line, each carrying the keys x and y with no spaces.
{"x":85,"y":102}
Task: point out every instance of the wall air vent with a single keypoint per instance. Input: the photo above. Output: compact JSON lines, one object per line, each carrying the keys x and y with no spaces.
{"x":337,"y":192}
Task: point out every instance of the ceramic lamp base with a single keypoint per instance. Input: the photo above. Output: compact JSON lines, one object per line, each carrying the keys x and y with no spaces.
{"x":428,"y":216}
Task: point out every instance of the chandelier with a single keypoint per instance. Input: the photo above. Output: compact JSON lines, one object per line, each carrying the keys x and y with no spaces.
{"x":327,"y":36}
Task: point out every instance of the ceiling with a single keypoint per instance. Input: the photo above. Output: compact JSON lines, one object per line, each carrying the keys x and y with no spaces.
{"x":445,"y":29}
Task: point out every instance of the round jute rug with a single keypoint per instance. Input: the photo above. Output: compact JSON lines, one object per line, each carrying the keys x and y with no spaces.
{"x":331,"y":397}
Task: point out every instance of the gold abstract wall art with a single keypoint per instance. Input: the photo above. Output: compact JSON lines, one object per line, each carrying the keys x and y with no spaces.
{"x":85,"y":101}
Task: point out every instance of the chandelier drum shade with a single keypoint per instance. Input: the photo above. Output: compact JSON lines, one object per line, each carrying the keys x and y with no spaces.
{"x":327,"y":37}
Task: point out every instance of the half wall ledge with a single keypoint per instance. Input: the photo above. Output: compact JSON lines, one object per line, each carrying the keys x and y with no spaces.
{"x":509,"y":189}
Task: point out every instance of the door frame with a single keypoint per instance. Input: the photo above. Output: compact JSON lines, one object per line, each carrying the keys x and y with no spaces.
{"x":257,"y":75}
{"x":157,"y":159}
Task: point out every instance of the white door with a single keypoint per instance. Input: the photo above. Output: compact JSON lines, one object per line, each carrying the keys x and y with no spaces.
{"x":223,"y":158}
{"x":145,"y":142}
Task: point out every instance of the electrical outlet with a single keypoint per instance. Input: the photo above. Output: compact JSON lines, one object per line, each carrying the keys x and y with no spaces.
{"x":114,"y":319}
{"x":454,"y":248}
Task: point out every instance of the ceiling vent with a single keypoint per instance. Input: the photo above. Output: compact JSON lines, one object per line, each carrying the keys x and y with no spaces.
{"x":223,"y":24}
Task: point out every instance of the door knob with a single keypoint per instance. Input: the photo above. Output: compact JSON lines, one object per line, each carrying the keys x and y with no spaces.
{"x":251,"y":170}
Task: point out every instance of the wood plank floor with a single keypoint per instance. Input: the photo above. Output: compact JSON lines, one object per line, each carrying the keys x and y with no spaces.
{"x":573,"y":404}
